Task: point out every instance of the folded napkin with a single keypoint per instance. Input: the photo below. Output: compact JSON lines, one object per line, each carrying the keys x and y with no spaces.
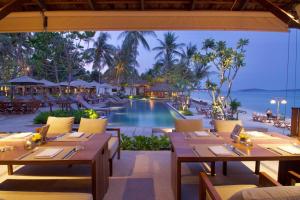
{"x":256,"y":134}
{"x":201,"y":133}
{"x":290,"y":149}
{"x":20,"y":135}
{"x":76,"y":134}
{"x":220,"y":150}
{"x":49,"y":153}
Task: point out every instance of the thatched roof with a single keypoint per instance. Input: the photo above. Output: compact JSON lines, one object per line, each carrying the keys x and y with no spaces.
{"x":162,"y":87}
{"x":25,"y":80}
{"x":80,"y":83}
{"x":67,"y":15}
{"x":94,"y":84}
{"x":47,"y":83}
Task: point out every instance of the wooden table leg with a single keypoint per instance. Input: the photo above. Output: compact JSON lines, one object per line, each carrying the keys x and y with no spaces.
{"x":175,"y":175}
{"x":213,"y":168}
{"x":225,"y":168}
{"x":257,"y":167}
{"x":178,"y":166}
{"x":10,"y":170}
{"x":284,"y":167}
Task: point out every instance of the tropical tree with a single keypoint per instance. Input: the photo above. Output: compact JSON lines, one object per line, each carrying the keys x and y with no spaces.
{"x":132,"y":39}
{"x":123,"y":67}
{"x":227,"y":61}
{"x":15,"y":55}
{"x":169,"y":51}
{"x":102,"y":53}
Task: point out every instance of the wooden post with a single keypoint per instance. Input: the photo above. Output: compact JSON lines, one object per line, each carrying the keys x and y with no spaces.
{"x":295,"y":126}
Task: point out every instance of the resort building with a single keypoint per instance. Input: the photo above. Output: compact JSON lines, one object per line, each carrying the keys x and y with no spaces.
{"x":71,"y":139}
{"x":161,"y":91}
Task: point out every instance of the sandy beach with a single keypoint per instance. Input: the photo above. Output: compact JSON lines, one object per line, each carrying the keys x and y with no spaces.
{"x":246,"y":118}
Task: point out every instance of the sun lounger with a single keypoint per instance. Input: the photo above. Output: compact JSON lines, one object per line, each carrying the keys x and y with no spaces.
{"x":86,"y":105}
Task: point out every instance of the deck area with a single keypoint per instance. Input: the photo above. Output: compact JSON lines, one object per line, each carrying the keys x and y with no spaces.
{"x":137,"y":175}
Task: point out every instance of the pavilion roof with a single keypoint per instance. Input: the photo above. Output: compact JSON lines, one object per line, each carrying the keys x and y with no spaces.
{"x":80,"y":83}
{"x":25,"y":80}
{"x":47,"y":83}
{"x":94,"y":84}
{"x":66,"y":15}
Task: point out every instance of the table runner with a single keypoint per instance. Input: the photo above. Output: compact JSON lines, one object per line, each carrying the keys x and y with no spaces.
{"x":65,"y":138}
{"x":31,"y":154}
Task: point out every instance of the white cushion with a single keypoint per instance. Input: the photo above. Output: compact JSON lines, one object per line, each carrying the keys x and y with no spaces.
{"x":268,"y":193}
{"x":226,"y":191}
{"x":59,"y":125}
{"x":113,"y":145}
{"x":15,"y":195}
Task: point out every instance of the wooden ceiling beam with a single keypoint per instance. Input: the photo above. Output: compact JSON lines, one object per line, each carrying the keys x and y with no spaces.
{"x":9,"y":7}
{"x":42,"y":5}
{"x":193,"y":4}
{"x":53,"y":3}
{"x":280,"y":13}
{"x":239,"y":5}
{"x":142,"y":4}
{"x":92,"y":4}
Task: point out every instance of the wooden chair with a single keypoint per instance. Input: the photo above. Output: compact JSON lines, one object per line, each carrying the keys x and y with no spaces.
{"x":294,"y":178}
{"x":228,"y":126}
{"x":208,"y":191}
{"x":99,"y":126}
{"x":192,"y":125}
{"x":59,"y":125}
{"x":43,"y":131}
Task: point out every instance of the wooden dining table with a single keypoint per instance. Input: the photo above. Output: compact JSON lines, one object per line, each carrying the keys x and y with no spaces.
{"x":196,"y":149}
{"x":93,"y":153}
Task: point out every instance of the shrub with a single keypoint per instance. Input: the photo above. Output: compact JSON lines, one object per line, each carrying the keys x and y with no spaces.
{"x":152,"y":143}
{"x":42,"y":117}
{"x":186,"y":112}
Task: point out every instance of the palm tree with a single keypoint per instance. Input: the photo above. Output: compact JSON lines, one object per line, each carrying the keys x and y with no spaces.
{"x":169,"y":50}
{"x":123,"y":67}
{"x":132,"y":39}
{"x":102,"y":53}
{"x":187,"y":54}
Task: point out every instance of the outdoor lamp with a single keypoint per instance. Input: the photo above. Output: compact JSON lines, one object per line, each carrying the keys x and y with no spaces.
{"x":273,"y":101}
{"x":283,"y":101}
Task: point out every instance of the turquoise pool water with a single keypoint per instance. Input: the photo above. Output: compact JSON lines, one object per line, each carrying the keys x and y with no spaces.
{"x":144,"y":113}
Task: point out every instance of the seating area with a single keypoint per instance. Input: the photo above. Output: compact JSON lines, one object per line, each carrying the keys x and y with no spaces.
{"x":273,"y":120}
{"x":231,"y":175}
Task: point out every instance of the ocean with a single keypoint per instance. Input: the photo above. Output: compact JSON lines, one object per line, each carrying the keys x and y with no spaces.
{"x":258,"y":100}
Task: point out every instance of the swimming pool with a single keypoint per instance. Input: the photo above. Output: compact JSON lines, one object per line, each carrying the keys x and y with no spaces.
{"x":144,"y":113}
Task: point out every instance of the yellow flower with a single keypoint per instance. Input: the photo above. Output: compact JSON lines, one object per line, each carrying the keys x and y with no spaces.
{"x":36,"y":137}
{"x":244,"y":136}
